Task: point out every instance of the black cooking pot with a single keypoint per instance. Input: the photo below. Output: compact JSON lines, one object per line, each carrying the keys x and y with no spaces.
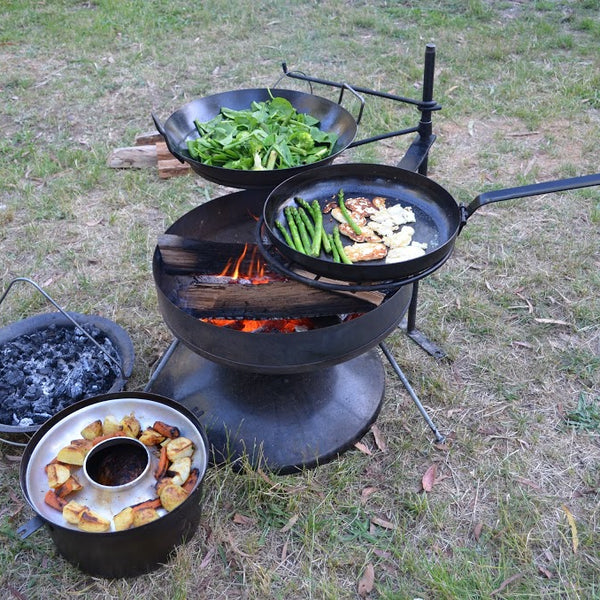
{"x":116,"y":334}
{"x":113,"y":553}
{"x":179,"y":128}
{"x":439,"y":218}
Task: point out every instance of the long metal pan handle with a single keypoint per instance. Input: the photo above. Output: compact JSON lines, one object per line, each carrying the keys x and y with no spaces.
{"x":536,"y":189}
{"x":161,"y":130}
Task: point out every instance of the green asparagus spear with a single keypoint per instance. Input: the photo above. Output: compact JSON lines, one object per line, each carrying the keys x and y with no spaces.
{"x":285,"y":234}
{"x":346,"y":214}
{"x":338,"y":243}
{"x":310,"y":228}
{"x":318,"y":231}
{"x":291,"y":221}
{"x":306,"y":242}
{"x":334,"y":251}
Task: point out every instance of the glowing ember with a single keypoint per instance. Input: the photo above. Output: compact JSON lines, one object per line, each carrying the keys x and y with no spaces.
{"x":265,"y":325}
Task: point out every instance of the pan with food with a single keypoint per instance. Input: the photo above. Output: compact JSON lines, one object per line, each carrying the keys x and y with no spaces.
{"x":414,"y":220}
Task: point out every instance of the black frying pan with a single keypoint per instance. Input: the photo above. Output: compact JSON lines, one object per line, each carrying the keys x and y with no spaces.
{"x":439,"y":218}
{"x":179,"y":128}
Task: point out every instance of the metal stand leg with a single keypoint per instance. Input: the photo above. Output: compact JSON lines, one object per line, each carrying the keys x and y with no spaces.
{"x":438,"y":436}
{"x":416,"y":335}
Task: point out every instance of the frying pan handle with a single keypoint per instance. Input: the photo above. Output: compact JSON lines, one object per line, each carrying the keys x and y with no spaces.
{"x":30,"y":526}
{"x":161,"y":130}
{"x":536,"y":189}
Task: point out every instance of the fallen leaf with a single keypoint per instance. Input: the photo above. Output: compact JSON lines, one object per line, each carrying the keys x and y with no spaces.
{"x":366,"y":582}
{"x":528,"y":483}
{"x":366,"y":494}
{"x":362,"y":448}
{"x":543,"y":571}
{"x":379,"y":438}
{"x":383,"y":523}
{"x":477,"y":531}
{"x":553,"y":322}
{"x":290,"y":523}
{"x":573,"y":526}
{"x":428,"y":479}
{"x":240,"y":519}
{"x":506,"y":583}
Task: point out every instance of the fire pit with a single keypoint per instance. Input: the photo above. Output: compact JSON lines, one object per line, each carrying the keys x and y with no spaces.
{"x":52,"y":360}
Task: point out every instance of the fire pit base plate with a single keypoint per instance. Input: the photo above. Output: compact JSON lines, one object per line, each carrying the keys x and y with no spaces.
{"x":282,"y":423}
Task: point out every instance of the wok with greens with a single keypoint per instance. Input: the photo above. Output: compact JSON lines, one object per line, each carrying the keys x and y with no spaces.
{"x":268,"y":135}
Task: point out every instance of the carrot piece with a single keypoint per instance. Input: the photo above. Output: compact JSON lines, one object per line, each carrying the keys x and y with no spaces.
{"x":101,"y":438}
{"x":190,"y":483}
{"x":68,"y":487}
{"x":52,"y":499}
{"x":163,"y":464}
{"x":153,"y":503}
{"x":169,"y":431}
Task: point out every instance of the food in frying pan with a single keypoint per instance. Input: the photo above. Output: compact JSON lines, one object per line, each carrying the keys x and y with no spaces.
{"x":175,"y":477}
{"x":377,"y":231}
{"x":268,"y":135}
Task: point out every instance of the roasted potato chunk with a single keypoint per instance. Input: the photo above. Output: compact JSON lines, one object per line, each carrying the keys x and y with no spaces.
{"x":179,"y":448}
{"x":131,"y":426}
{"x":144,"y":516}
{"x":151,"y":437}
{"x":92,"y":430}
{"x":124,"y":519}
{"x":92,"y":521}
{"x":179,"y":470}
{"x":75,"y":452}
{"x":72,"y":512}
{"x":111,"y":426}
{"x":171,"y":496}
{"x":57,"y":474}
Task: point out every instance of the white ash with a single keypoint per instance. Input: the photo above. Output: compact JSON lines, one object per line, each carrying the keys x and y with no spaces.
{"x":47,"y":370}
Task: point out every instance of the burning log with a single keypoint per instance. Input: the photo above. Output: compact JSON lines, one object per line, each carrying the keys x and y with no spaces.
{"x":228,"y":280}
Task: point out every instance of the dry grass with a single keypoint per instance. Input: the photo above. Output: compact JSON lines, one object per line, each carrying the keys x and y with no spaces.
{"x":516,"y":307}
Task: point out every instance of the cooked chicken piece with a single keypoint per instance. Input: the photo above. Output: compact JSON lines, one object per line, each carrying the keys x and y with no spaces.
{"x":404,"y":253}
{"x":383,"y":229}
{"x":360,"y":220}
{"x":366,"y":235}
{"x":360,"y":206}
{"x":379,"y":202}
{"x":394,"y":215}
{"x":365,"y":251}
{"x":400,"y":238}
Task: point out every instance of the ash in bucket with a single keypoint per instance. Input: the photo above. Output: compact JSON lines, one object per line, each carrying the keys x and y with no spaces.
{"x":47,"y":370}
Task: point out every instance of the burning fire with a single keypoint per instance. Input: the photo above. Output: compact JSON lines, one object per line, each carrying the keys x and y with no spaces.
{"x":256,"y":274}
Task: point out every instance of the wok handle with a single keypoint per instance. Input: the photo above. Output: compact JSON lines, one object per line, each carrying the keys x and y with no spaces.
{"x":161,"y":130}
{"x":536,"y":189}
{"x":345,"y":86}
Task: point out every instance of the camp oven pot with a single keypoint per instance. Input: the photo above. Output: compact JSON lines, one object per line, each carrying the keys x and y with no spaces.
{"x":113,"y":553}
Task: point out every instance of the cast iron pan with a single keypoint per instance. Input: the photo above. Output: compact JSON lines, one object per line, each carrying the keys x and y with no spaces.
{"x":439,"y":218}
{"x":179,"y":128}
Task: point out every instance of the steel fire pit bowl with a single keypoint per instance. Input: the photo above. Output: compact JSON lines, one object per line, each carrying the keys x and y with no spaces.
{"x":120,"y":340}
{"x":113,"y":553}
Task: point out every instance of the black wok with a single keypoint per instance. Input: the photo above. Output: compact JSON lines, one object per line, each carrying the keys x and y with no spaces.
{"x":179,"y":128}
{"x":439,"y":218}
